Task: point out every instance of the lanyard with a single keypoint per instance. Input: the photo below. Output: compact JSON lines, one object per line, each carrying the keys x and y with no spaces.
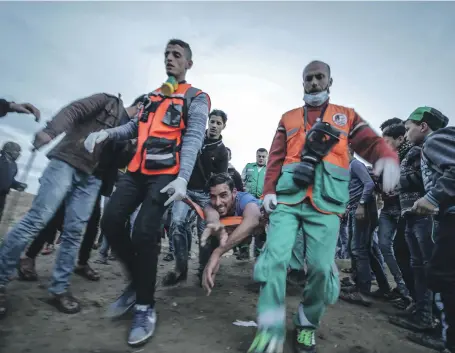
{"x":305,"y":115}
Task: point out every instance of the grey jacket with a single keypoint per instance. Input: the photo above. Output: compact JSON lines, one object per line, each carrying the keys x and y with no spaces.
{"x":438,"y":169}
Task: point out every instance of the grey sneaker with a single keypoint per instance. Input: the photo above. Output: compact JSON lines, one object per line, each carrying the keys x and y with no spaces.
{"x":123,"y":303}
{"x":143,"y":327}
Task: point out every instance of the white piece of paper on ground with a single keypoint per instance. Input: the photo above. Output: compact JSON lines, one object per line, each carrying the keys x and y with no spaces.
{"x":244,"y":323}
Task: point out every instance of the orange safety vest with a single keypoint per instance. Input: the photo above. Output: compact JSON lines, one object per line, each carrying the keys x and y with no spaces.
{"x":339,"y":117}
{"x":160,"y":136}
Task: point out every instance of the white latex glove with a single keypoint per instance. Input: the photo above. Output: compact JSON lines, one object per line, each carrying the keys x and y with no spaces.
{"x":176,"y":189}
{"x":94,"y":138}
{"x":390,"y":170}
{"x":270,"y":202}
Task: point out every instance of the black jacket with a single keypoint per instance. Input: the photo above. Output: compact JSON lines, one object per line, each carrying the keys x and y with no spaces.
{"x":8,"y":171}
{"x":235,"y":175}
{"x":212,"y":159}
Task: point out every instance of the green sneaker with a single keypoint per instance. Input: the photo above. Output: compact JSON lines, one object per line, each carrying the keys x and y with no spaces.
{"x":267,"y":341}
{"x":304,"y":340}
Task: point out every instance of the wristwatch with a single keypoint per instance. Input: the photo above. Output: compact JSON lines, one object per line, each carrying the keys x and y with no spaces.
{"x":362,"y":202}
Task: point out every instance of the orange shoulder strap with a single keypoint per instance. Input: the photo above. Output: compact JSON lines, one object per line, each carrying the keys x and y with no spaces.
{"x":226,"y":221}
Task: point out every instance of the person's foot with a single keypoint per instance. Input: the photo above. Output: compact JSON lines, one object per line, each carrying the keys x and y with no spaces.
{"x":123,"y":303}
{"x":304,"y":341}
{"x":267,"y":341}
{"x":354,"y":297}
{"x":65,"y":303}
{"x":429,"y":341}
{"x":169,"y":257}
{"x":415,"y":322}
{"x":173,"y":277}
{"x":143,"y":327}
{"x":87,"y":272}
{"x":405,"y":303}
{"x":27,"y":270}
{"x":382,"y":294}
{"x":347,"y":282}
{"x":102,"y":260}
{"x":3,"y":302}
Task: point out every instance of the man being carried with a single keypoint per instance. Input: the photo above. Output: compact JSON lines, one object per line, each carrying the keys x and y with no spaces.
{"x":212,"y":159}
{"x":306,"y":187}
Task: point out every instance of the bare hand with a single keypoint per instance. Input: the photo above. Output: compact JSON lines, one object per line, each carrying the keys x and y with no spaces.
{"x":360,"y":212}
{"x":41,"y":139}
{"x":25,"y":108}
{"x":210,"y":271}
{"x":214,"y":229}
{"x":424,"y":207}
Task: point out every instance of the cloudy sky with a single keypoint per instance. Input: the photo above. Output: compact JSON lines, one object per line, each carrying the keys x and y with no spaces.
{"x":387,"y":59}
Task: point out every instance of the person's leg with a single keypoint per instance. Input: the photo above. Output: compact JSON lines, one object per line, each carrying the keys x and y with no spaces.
{"x":56,"y":181}
{"x":83,"y":268}
{"x":2,"y":204}
{"x":145,"y":241}
{"x":179,"y":234}
{"x":79,"y":205}
{"x":386,"y":234}
{"x":270,"y":271}
{"x":322,"y":287}
{"x":403,"y":256}
{"x":441,"y":274}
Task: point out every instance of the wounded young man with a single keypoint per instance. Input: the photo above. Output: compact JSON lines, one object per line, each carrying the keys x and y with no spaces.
{"x":226,"y":203}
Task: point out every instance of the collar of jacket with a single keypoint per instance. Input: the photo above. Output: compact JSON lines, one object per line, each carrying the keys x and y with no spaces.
{"x":403,"y":149}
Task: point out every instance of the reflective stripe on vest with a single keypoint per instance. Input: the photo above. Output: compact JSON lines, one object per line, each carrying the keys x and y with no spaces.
{"x":160,"y":137}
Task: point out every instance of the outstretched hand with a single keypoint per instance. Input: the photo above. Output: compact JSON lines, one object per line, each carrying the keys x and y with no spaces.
{"x":210,"y":271}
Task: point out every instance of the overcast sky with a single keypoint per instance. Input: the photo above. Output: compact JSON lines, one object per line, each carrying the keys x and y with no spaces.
{"x":387,"y":58}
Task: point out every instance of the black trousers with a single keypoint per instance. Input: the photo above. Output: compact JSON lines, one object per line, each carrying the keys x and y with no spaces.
{"x":2,"y":204}
{"x":48,"y":234}
{"x":441,"y":272}
{"x":139,"y":253}
{"x":403,"y":256}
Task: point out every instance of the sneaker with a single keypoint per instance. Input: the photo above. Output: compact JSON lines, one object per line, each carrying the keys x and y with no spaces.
{"x":102,"y":260}
{"x":169,"y":257}
{"x":354,"y":297}
{"x":143,"y":327}
{"x":122,"y":304}
{"x":428,"y":341}
{"x":414,"y":322}
{"x":173,"y":277}
{"x":304,"y":341}
{"x":3,"y":304}
{"x":27,"y":269}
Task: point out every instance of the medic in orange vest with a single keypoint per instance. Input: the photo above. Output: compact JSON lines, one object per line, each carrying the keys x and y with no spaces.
{"x":163,"y":163}
{"x":306,"y":188}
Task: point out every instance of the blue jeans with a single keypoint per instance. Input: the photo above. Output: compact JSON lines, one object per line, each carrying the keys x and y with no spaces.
{"x":418,"y":236}
{"x":59,"y":182}
{"x":180,"y":228}
{"x":387,"y":230}
{"x":343,"y":252}
{"x":364,"y":259}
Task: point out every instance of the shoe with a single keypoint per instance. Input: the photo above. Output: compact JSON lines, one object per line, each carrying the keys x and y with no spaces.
{"x":172,"y":278}
{"x":143,"y":327}
{"x":429,"y":341}
{"x":122,"y":304}
{"x":267,"y":341}
{"x":414,"y":322}
{"x":304,"y":341}
{"x":354,"y":297}
{"x":27,"y":270}
{"x":169,"y":257}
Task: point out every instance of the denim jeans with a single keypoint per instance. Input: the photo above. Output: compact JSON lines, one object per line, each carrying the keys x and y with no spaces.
{"x":342,"y":247}
{"x":418,"y":236}
{"x":387,"y":230}
{"x":59,"y":182}
{"x":361,"y":246}
{"x":180,"y":228}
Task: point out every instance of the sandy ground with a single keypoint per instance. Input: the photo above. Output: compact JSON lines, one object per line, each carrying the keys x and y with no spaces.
{"x":188,"y":321}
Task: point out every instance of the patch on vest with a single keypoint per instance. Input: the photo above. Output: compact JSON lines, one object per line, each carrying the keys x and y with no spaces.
{"x":340,"y":119}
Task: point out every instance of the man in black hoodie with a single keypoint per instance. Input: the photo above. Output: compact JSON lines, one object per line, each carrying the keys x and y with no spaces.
{"x":212,"y":159}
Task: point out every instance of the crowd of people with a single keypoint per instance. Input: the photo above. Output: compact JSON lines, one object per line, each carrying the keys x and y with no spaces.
{"x":125,"y":176}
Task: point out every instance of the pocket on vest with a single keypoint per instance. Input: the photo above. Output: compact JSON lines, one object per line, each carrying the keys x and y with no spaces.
{"x":173,"y":115}
{"x":335,"y":184}
{"x":286,"y":185}
{"x":160,"y":153}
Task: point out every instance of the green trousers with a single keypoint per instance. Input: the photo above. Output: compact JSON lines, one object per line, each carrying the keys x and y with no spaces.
{"x":320,"y":234}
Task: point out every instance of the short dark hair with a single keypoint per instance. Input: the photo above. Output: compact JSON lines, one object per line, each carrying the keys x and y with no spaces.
{"x":390,"y":122}
{"x":219,"y":113}
{"x":221,"y":178}
{"x":261,"y":150}
{"x":394,"y":131}
{"x":184,"y":45}
{"x":137,"y":100}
